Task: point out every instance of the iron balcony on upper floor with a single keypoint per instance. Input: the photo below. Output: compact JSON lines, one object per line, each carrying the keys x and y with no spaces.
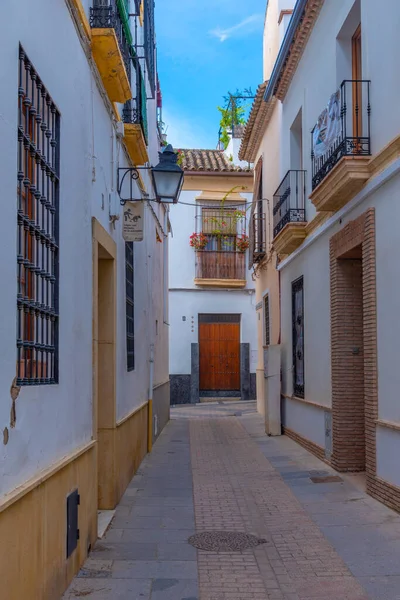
{"x":289,"y":214}
{"x":341,"y":146}
{"x":111,"y":46}
{"x":134,"y":116}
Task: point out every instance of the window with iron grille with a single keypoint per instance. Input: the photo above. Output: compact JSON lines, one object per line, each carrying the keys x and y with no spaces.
{"x":149,"y":42}
{"x":266,"y":321}
{"x":37,"y":235}
{"x":130,"y":309}
{"x":298,"y":337}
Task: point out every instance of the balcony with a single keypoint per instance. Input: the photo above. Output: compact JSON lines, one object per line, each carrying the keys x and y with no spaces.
{"x":134,"y":116}
{"x":220,"y":269}
{"x":341,"y":146}
{"x":289,"y":215}
{"x":259,"y":246}
{"x":111,"y":47}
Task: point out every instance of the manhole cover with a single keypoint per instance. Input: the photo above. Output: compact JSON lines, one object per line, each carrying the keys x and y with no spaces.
{"x":327,"y":479}
{"x":224,"y":541}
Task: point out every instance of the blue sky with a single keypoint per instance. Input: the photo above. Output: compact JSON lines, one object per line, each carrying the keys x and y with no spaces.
{"x":205,"y":49}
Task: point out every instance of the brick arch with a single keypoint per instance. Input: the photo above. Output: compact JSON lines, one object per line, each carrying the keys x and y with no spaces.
{"x":353,"y":316}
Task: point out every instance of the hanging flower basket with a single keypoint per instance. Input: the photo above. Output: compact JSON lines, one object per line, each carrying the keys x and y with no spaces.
{"x":198,"y":241}
{"x":242,"y":242}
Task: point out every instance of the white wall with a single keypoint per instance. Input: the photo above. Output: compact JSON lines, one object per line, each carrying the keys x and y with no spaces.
{"x":52,"y":421}
{"x":321,"y":71}
{"x":313,"y":264}
{"x":190,"y":304}
{"x":182,"y":257}
{"x":314,"y":267}
{"x":186,"y":299}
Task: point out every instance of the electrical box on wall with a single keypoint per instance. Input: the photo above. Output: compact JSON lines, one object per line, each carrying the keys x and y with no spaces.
{"x":73,"y":501}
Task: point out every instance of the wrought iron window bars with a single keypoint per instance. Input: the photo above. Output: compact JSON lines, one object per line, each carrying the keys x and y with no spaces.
{"x":130,"y":309}
{"x":38,"y":230}
{"x":298,"y":336}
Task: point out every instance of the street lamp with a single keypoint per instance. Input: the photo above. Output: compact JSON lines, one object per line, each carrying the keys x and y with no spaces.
{"x":167,"y":178}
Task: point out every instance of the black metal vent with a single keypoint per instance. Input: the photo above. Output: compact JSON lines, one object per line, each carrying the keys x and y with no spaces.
{"x":73,"y":501}
{"x":217,"y":318}
{"x":37,"y":236}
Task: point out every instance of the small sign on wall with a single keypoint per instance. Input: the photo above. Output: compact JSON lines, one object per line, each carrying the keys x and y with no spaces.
{"x":133,"y":222}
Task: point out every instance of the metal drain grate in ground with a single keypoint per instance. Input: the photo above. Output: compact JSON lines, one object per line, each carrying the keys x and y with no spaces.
{"x":224,"y":541}
{"x":326,"y":479}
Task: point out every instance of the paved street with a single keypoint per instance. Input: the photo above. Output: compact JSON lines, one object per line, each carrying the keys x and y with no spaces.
{"x":213,"y":469}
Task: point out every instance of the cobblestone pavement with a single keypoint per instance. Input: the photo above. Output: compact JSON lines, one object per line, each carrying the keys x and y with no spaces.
{"x":211,"y":470}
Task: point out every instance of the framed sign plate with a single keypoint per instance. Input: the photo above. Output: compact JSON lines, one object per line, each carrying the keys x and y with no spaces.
{"x":133,"y":222}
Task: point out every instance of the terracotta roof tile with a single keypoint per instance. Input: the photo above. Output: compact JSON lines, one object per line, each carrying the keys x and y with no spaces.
{"x":256,"y":125}
{"x":212,"y":161}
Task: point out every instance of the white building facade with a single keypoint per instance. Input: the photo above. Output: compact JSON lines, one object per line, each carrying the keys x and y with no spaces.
{"x":83,"y":336}
{"x":211,"y":292}
{"x":336,"y":235}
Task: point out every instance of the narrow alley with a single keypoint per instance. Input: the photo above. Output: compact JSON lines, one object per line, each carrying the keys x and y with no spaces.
{"x":317,"y":535}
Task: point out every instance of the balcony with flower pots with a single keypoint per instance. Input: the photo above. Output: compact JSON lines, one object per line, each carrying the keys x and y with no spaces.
{"x":220,"y":248}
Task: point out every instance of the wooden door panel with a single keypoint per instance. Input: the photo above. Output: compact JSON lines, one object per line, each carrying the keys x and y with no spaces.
{"x":219,"y":356}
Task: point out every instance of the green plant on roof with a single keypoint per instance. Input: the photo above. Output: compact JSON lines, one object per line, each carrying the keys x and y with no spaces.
{"x":233,"y":113}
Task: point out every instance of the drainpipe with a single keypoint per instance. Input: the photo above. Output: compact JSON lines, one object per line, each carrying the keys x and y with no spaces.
{"x":150,"y":404}
{"x":165,"y":267}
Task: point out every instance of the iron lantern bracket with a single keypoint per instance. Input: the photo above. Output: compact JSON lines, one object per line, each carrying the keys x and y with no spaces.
{"x":132,"y":173}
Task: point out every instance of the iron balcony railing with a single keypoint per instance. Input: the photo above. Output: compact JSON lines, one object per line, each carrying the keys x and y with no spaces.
{"x":258,"y":242}
{"x":220,"y":265}
{"x":106,"y":14}
{"x":289,"y":200}
{"x":149,"y":42}
{"x":135,"y":110}
{"x":346,"y":130}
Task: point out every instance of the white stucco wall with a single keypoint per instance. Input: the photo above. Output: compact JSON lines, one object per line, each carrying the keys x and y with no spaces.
{"x":190,"y":304}
{"x":187,"y":300}
{"x":52,"y":421}
{"x":313,"y":264}
{"x":324,"y":64}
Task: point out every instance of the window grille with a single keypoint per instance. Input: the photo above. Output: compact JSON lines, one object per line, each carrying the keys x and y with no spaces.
{"x":130,"y":312}
{"x":266,"y":321}
{"x":298,"y":337}
{"x":219,"y":318}
{"x":149,"y":42}
{"x":37,"y":235}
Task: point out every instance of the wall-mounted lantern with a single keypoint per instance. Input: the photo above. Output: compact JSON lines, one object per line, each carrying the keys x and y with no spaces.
{"x":167,"y":178}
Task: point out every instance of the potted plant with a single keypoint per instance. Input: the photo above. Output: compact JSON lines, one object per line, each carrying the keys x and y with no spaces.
{"x":242,"y":242}
{"x":198,"y":241}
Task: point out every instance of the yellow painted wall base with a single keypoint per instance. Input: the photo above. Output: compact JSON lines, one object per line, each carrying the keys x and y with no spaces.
{"x":33,"y":563}
{"x":131,"y":447}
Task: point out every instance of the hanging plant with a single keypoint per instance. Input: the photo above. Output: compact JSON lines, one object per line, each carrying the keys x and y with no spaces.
{"x":198,"y":241}
{"x":242,"y":242}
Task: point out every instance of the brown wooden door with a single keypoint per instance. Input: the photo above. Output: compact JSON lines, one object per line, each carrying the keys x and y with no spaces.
{"x":219,"y":345}
{"x":357,"y":86}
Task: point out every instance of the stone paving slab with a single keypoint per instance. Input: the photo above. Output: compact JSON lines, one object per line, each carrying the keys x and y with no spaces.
{"x":210,"y":470}
{"x":145,"y":554}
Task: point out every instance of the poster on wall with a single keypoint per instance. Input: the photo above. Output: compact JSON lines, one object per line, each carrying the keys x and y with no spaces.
{"x":328,"y":127}
{"x":133,"y":222}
